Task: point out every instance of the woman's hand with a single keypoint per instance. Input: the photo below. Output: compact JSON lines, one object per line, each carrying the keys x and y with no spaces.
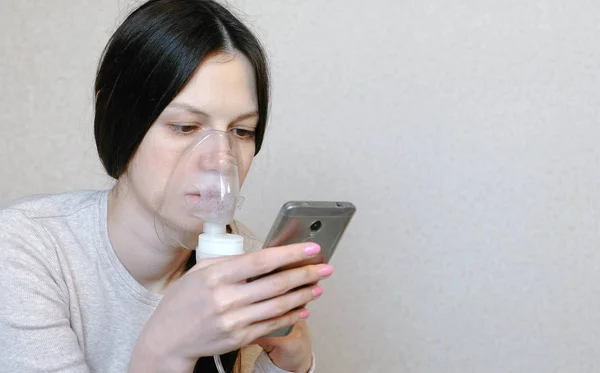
{"x":212,"y":309}
{"x":292,"y":352}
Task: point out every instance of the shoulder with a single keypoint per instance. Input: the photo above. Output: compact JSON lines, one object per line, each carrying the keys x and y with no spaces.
{"x":28,"y":252}
{"x":17,"y":230}
{"x":251,"y":241}
{"x":29,"y":226}
{"x":52,"y":205}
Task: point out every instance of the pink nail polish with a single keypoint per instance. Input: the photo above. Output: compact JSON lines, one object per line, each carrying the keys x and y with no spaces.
{"x":304,"y":314}
{"x":311,"y":250}
{"x":316,"y":291}
{"x":326,"y":270}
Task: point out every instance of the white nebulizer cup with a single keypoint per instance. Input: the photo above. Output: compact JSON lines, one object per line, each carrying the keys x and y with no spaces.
{"x":201,"y":197}
{"x":215,"y":242}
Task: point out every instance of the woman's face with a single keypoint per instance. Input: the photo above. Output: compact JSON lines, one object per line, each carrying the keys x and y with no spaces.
{"x":220,"y":96}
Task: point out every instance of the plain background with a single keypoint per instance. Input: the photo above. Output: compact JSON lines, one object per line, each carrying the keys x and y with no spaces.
{"x":466,"y":132}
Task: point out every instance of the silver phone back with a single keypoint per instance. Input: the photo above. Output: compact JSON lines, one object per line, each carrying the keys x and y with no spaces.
{"x":323,"y":223}
{"x":302,"y":221}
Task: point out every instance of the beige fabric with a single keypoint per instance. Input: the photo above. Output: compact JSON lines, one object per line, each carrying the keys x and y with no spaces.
{"x":249,"y":356}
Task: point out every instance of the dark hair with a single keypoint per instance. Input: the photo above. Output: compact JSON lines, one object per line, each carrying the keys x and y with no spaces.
{"x":148,"y":61}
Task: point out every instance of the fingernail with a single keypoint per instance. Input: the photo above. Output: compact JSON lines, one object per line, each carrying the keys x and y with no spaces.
{"x":326,"y":270}
{"x":304,"y":314}
{"x":316,"y":291}
{"x":312,"y":249}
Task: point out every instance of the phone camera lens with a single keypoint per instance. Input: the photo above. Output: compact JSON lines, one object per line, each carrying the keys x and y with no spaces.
{"x":316,"y":226}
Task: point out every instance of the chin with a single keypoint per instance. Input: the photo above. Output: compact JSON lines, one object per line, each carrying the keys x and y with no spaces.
{"x":179,"y":233}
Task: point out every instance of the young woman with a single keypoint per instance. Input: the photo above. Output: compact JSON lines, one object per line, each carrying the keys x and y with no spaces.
{"x":87,"y":284}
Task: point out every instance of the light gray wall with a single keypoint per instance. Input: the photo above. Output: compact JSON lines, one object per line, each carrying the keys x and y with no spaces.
{"x":466,"y":133}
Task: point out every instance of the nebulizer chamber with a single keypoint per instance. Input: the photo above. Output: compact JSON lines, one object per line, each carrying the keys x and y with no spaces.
{"x":214,"y":241}
{"x":201,"y":197}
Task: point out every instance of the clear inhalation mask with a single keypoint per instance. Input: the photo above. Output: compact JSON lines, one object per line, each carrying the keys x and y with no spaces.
{"x":202,"y":193}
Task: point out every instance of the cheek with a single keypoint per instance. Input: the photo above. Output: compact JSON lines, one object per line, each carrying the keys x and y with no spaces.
{"x":247,"y":155}
{"x":149,"y":172}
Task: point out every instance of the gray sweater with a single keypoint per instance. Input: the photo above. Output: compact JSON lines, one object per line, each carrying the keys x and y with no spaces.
{"x":67,"y":304}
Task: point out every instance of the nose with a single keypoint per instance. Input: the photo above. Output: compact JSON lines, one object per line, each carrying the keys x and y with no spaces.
{"x":215,"y":141}
{"x":217,"y":152}
{"x":217,"y":163}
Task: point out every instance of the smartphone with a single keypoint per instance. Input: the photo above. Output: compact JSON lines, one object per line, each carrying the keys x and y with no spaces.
{"x":321,"y":222}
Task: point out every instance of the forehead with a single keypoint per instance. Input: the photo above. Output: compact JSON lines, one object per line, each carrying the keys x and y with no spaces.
{"x":222,"y":82}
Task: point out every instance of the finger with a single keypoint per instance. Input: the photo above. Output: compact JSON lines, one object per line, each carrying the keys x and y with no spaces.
{"x":282,"y":282}
{"x":250,"y":265}
{"x":298,"y":331}
{"x":262,"y":328}
{"x":317,"y":259}
{"x":203,"y":263}
{"x":279,"y":306}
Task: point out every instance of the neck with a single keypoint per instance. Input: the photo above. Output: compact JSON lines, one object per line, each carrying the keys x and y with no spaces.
{"x":135,"y":241}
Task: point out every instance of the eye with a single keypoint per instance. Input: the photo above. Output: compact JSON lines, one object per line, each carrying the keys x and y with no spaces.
{"x":244,"y":134}
{"x":184,"y":129}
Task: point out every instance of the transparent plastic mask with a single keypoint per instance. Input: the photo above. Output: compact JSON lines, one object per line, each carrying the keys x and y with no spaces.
{"x":203,"y":186}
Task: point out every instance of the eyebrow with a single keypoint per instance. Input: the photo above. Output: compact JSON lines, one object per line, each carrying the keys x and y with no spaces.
{"x":194,"y":110}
